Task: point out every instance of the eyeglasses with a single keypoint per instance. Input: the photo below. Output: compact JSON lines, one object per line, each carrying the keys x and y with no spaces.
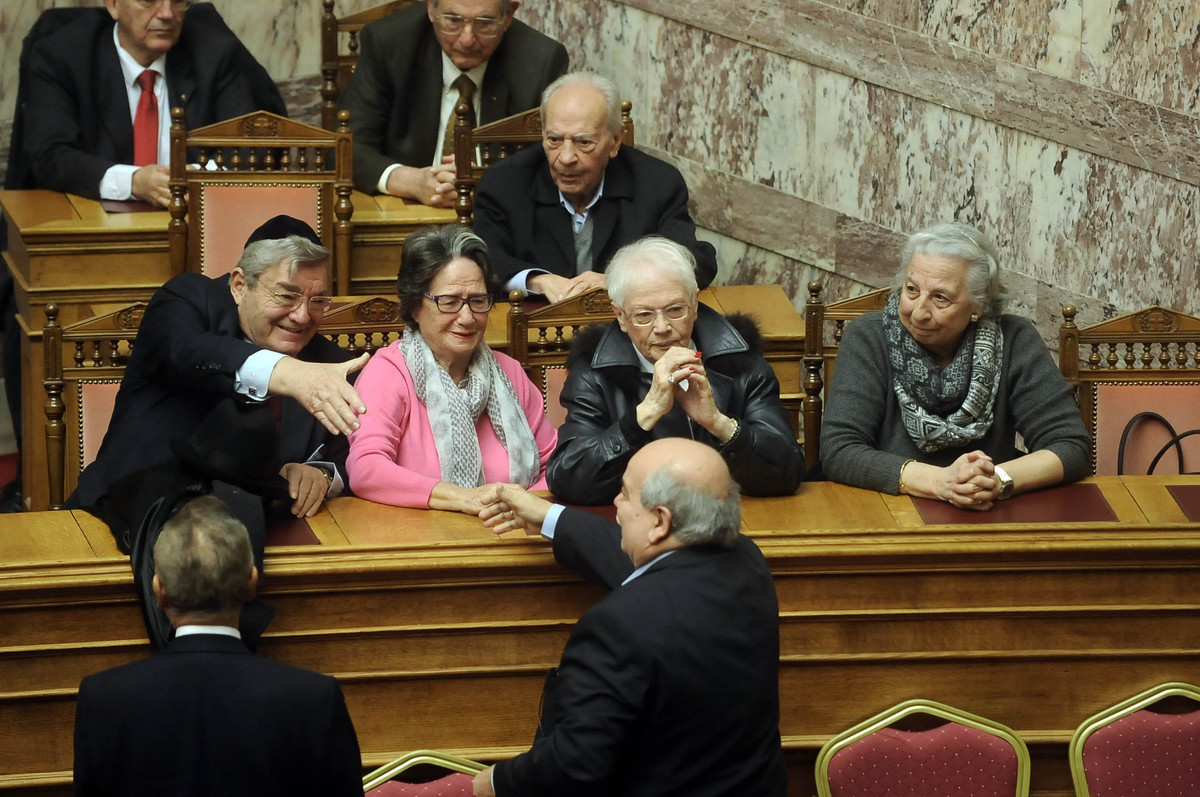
{"x":483,"y":27}
{"x":584,"y":144}
{"x":449,"y":303}
{"x":644,"y":318}
{"x":176,"y":5}
{"x":285,"y":300}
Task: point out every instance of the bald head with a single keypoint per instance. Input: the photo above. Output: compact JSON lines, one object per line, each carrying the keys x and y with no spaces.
{"x":689,"y":485}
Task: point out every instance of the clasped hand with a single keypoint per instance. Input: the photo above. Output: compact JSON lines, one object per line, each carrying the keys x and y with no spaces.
{"x":970,"y":482}
{"x":679,"y":376}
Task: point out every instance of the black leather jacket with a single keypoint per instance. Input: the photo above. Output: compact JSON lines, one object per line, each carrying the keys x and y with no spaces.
{"x":606,"y":384}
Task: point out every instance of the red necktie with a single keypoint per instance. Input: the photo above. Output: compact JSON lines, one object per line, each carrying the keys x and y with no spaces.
{"x":145,"y":122}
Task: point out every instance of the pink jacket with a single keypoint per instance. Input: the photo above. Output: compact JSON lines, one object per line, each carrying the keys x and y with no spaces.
{"x":393,"y":459}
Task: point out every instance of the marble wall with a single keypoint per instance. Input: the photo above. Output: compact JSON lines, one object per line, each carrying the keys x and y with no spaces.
{"x":814,"y":135}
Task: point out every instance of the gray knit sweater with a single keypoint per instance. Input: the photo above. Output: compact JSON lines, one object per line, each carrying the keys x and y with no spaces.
{"x":863,"y":439}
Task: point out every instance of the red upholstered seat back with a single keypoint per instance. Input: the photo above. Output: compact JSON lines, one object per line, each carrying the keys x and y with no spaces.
{"x":1116,"y":404}
{"x":1145,"y":754}
{"x":455,"y":784}
{"x":229,"y":213}
{"x":950,"y":759}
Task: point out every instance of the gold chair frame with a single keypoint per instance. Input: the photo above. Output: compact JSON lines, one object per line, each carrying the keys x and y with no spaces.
{"x":418,"y":757}
{"x":932,"y":708}
{"x":1142,"y":700}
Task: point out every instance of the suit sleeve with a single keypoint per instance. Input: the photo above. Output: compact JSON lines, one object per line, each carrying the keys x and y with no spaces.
{"x":591,"y":546}
{"x":600,"y":689}
{"x":370,"y":98}
{"x":495,"y":223}
{"x":53,"y":134}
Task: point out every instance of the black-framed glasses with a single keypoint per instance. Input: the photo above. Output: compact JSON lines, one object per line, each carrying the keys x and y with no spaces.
{"x":644,"y":318}
{"x":449,"y":303}
{"x":286,"y":300}
{"x":483,"y":27}
{"x":584,"y":144}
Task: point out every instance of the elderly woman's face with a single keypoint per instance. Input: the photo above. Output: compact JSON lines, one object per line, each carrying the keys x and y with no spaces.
{"x":935,"y":306}
{"x":658,"y":295}
{"x":453,"y":337}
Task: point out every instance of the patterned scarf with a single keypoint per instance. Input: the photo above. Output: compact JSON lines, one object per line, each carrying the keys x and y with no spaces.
{"x":945,"y":407}
{"x":454,"y":409}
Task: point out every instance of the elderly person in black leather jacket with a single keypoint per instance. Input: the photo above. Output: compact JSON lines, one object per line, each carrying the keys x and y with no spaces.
{"x":668,"y":367}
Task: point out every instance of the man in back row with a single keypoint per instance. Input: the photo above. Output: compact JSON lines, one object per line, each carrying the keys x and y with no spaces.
{"x":98,"y":113}
{"x":553,"y":216}
{"x":415,"y":67}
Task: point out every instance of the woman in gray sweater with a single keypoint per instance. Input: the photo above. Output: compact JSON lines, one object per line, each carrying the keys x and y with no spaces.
{"x":941,"y":396}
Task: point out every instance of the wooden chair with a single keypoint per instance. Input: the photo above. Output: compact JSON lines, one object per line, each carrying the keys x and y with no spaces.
{"x":86,"y":361}
{"x":1142,"y":362}
{"x":339,"y":51}
{"x":819,"y":356}
{"x":264,"y":165}
{"x":540,"y":340}
{"x":920,"y":747}
{"x":84,"y":366}
{"x":476,"y":148}
{"x":1146,"y":746}
{"x":427,"y":773}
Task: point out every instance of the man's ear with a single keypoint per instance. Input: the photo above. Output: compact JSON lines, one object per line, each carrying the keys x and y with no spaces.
{"x":662,"y":525}
{"x":237,"y":284}
{"x":252,"y":586}
{"x":160,"y":592}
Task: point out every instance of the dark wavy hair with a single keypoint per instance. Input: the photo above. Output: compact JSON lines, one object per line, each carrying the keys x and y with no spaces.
{"x":428,"y":251}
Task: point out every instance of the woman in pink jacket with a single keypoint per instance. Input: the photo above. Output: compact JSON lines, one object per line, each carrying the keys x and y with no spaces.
{"x":447,"y":416}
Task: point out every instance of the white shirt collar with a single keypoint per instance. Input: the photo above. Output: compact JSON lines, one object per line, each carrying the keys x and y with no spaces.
{"x":647,"y":566}
{"x":223,"y":630}
{"x":450,"y":73}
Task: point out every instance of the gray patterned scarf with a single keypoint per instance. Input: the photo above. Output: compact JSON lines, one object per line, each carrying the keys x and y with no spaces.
{"x":951,"y":406}
{"x":454,"y":409}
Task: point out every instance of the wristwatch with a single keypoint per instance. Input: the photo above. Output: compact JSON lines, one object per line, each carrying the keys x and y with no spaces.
{"x":1006,"y":484}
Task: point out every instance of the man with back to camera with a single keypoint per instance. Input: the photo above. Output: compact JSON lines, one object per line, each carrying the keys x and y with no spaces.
{"x":554,"y":216}
{"x":415,"y":67}
{"x":207,"y":716}
{"x":670,"y":684}
{"x":97,"y":121}
{"x":252,"y":335}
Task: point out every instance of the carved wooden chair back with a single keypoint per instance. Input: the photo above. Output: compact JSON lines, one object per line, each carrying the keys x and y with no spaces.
{"x":820,"y":354}
{"x":254,"y":167}
{"x":339,"y":50}
{"x":1142,"y":362}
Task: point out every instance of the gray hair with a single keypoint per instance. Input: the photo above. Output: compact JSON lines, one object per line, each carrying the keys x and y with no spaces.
{"x":601,"y":84}
{"x":955,"y":239}
{"x":426,"y":252}
{"x":697,"y":516}
{"x":504,"y":4}
{"x":203,"y":558}
{"x":295,"y":250}
{"x":631,"y":261}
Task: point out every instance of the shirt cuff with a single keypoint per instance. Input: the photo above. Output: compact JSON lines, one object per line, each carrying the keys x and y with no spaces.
{"x":381,"y":186}
{"x":253,"y":378}
{"x":551,"y":521}
{"x":117,"y":182}
{"x":520,"y":281}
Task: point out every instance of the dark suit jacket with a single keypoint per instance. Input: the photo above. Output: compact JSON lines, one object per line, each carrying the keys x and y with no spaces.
{"x":188,"y":349}
{"x":518,"y":214}
{"x":395,"y":96}
{"x":77,"y":121}
{"x":668,"y":686}
{"x":208,"y":717}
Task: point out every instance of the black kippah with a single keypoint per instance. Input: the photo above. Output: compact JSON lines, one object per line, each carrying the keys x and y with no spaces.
{"x":281,"y":227}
